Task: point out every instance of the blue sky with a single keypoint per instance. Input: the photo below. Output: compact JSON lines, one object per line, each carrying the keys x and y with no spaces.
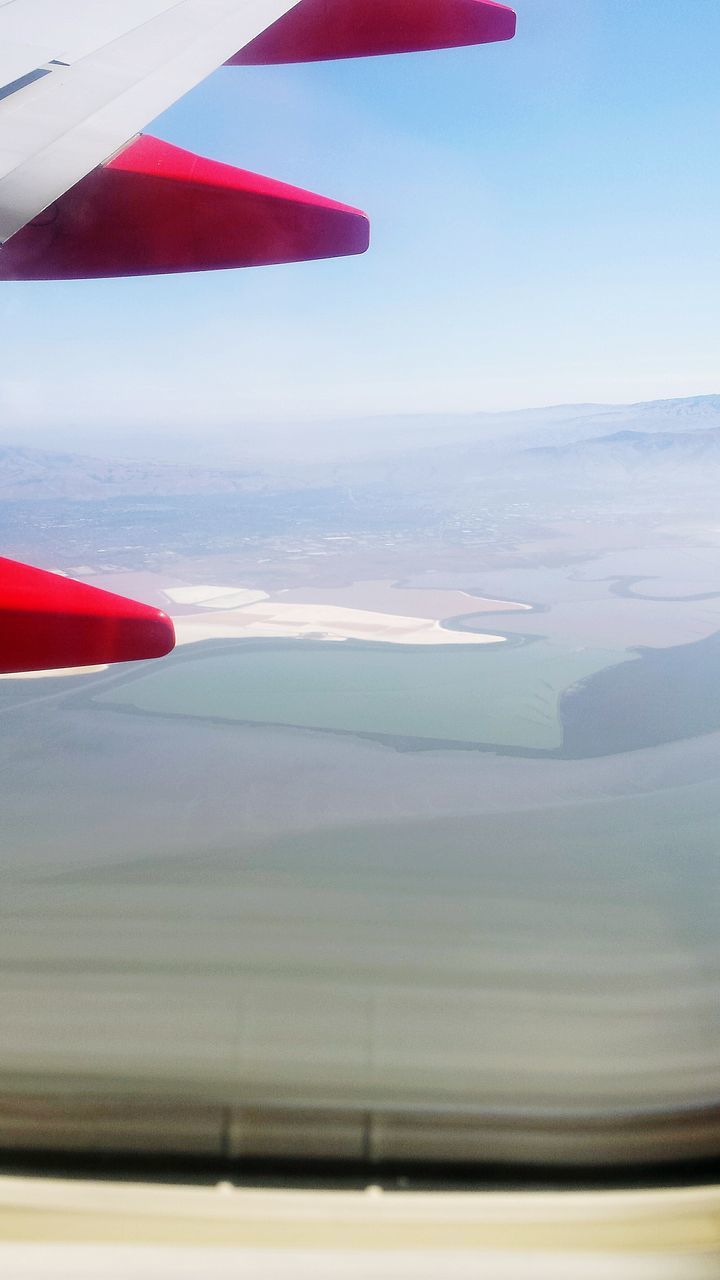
{"x":545,"y":229}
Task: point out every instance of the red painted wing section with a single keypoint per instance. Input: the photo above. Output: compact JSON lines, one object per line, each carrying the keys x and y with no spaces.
{"x":316,"y":30}
{"x":47,"y":621}
{"x":155,"y":208}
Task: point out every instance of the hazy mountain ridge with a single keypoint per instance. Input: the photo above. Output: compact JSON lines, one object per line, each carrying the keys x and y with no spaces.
{"x":411,"y":455}
{"x":518,"y":445}
{"x":37,"y":474}
{"x":638,"y":447}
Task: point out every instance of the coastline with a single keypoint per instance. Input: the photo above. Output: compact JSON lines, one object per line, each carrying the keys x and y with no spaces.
{"x":365,"y":611}
{"x":333,"y":623}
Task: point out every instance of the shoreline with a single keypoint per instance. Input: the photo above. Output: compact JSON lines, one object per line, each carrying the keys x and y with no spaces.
{"x":332,"y":624}
{"x":224,"y":613}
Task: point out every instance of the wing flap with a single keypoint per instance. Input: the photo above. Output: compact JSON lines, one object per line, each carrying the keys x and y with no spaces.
{"x":318,"y":30}
{"x":155,"y":208}
{"x":48,"y":622}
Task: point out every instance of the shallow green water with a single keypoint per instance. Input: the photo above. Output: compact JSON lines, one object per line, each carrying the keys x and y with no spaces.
{"x":496,"y":694}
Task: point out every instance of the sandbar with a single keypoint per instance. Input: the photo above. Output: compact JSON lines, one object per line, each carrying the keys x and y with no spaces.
{"x":273,"y":619}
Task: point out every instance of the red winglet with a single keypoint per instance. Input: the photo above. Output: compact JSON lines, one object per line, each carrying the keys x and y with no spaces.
{"x":48,"y":621}
{"x":317,"y":30}
{"x":155,"y":208}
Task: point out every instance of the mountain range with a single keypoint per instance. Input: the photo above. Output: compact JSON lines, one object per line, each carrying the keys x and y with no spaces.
{"x":404,"y":454}
{"x":43,"y":474}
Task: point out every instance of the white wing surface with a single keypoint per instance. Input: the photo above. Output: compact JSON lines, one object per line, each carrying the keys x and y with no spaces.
{"x":80,"y":77}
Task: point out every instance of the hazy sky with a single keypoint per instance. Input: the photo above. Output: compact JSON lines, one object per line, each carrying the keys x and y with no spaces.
{"x":545,"y":229}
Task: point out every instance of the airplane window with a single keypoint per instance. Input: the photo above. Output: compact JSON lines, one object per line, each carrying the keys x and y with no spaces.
{"x":403,"y":863}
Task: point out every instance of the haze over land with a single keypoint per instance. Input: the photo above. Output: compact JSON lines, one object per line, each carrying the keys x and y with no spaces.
{"x":304,"y":448}
{"x":362,"y":489}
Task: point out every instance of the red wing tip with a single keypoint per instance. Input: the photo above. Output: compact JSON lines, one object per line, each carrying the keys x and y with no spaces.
{"x":158,"y":209}
{"x":325,"y":30}
{"x":49,"y":622}
{"x":156,"y":635}
{"x":509,"y":29}
{"x":360,"y":239}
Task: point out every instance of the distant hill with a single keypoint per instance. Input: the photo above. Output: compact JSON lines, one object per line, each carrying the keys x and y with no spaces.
{"x":42,"y":474}
{"x":658,"y":415}
{"x":568,"y":443}
{"x":639,"y":448}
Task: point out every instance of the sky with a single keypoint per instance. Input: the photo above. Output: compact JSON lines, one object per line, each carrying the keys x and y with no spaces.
{"x":544,"y":221}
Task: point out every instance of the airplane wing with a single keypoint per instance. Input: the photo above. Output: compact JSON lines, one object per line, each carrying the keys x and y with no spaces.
{"x":84,"y":194}
{"x":81,"y":195}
